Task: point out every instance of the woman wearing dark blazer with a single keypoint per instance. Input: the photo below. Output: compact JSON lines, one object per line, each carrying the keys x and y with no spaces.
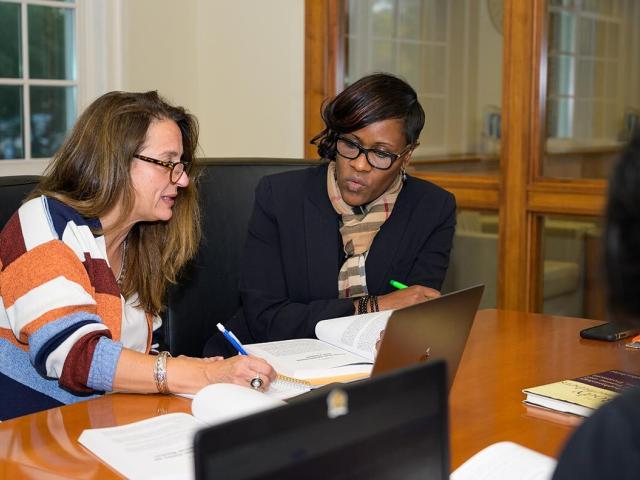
{"x":325,"y":242}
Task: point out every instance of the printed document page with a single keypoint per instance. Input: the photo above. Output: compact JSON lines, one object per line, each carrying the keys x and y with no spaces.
{"x":506,"y":461}
{"x":158,"y":447}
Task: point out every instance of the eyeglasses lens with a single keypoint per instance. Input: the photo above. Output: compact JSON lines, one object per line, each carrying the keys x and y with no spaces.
{"x":348,"y":150}
{"x":351,"y":150}
{"x":379,"y":160}
{"x":177,"y":172}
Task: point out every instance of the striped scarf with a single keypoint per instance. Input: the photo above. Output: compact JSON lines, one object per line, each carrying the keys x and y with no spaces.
{"x":358,"y":231}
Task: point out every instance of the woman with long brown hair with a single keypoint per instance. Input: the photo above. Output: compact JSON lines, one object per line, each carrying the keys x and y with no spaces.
{"x":85,"y":262}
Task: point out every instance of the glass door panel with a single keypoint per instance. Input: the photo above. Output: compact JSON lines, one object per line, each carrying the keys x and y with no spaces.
{"x":451,"y":53}
{"x":474,"y":257}
{"x":571,"y":272}
{"x":593,"y":73}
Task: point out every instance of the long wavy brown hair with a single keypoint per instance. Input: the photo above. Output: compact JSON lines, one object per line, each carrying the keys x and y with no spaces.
{"x":90,"y":172}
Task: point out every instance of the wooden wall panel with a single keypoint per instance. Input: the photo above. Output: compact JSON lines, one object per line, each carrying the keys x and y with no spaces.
{"x":473,"y":192}
{"x":515,"y":267}
{"x":322,"y":60}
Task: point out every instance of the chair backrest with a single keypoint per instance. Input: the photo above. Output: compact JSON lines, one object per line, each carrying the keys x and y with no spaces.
{"x":207,"y":290}
{"x":13,"y":190}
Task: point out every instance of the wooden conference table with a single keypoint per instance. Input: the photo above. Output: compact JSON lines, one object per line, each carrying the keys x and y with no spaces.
{"x":506,"y":352}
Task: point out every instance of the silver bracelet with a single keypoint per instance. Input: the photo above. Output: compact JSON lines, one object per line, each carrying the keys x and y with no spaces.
{"x":160,"y":372}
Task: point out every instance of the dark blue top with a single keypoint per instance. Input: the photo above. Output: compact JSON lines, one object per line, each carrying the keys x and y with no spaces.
{"x":293,"y":253}
{"x":607,"y":445}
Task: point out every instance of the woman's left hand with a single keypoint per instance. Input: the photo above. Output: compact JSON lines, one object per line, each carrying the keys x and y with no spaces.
{"x":406,"y":297}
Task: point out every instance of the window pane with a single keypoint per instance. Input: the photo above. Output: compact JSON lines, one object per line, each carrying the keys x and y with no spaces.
{"x":571,"y":276}
{"x":409,"y":25}
{"x":560,"y":75}
{"x":51,"y":43}
{"x":474,"y":257}
{"x":593,"y":100}
{"x":53,"y":111}
{"x":10,"y":40}
{"x":382,"y":18}
{"x":451,"y":54}
{"x":561,"y":31}
{"x":382,"y":55}
{"x":11,"y":131}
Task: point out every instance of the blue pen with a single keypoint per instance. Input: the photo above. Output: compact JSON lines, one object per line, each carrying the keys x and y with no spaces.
{"x":232,"y":340}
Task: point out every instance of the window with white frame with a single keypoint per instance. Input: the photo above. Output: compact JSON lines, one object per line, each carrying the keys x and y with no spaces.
{"x":38,"y":76}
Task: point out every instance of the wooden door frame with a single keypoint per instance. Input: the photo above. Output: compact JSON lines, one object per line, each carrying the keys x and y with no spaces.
{"x":322,"y":50}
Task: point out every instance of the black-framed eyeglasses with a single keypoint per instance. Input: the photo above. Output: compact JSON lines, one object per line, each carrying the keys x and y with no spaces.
{"x":177,"y":168}
{"x":377,"y":158}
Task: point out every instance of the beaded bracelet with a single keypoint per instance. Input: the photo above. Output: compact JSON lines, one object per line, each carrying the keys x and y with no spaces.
{"x":374,"y":303}
{"x":363,"y":304}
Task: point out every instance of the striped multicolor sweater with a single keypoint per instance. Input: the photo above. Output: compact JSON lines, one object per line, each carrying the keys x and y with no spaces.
{"x":63,"y":322}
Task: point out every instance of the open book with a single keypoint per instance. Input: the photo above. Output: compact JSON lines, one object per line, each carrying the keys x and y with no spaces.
{"x":162,"y":447}
{"x":344,"y":351}
{"x":506,"y":461}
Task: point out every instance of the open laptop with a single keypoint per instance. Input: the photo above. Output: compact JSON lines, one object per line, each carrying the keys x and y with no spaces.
{"x":392,"y":426}
{"x":434,"y":329}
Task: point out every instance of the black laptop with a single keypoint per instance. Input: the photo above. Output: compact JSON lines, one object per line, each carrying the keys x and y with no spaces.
{"x":390,"y":426}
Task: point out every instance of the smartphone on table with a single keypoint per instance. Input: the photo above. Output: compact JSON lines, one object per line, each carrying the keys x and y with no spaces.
{"x":609,"y":331}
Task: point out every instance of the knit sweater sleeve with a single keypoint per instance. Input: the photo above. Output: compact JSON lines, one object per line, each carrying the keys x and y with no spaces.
{"x":51,"y":278}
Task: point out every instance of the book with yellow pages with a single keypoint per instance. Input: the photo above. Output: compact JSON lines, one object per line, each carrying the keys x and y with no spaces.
{"x":582,"y":395}
{"x":344,"y":351}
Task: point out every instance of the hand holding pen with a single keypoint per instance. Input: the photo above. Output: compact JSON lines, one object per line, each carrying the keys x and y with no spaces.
{"x":405,"y":295}
{"x":232,"y":339}
{"x":257,"y":381}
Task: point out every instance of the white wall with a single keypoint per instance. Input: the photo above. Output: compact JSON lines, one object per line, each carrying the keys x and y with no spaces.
{"x":238,"y":65}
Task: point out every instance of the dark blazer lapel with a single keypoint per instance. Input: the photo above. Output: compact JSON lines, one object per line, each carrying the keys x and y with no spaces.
{"x":323,"y":239}
{"x":389,"y":241}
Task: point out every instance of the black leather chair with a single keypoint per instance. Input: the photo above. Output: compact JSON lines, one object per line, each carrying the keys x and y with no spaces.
{"x":207,"y":289}
{"x":13,"y":191}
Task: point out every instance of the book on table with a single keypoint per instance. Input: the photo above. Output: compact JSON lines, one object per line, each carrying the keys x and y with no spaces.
{"x":582,"y":395}
{"x":162,"y":447}
{"x":344,"y":351}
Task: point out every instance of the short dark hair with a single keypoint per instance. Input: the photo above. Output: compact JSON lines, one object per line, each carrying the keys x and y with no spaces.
{"x":622,"y":236}
{"x":373,"y":98}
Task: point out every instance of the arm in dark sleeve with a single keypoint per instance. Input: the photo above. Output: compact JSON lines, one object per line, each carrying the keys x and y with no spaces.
{"x":607,"y":445}
{"x":432,"y":261}
{"x":269,"y":311}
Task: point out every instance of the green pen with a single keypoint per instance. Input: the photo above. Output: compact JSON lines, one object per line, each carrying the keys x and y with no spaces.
{"x":398,"y":285}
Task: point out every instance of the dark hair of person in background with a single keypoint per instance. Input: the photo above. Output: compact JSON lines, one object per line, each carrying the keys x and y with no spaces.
{"x":91,"y":173}
{"x":622,"y":236}
{"x":371,"y":99}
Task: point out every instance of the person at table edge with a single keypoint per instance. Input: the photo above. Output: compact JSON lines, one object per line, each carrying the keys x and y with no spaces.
{"x":324,"y":242}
